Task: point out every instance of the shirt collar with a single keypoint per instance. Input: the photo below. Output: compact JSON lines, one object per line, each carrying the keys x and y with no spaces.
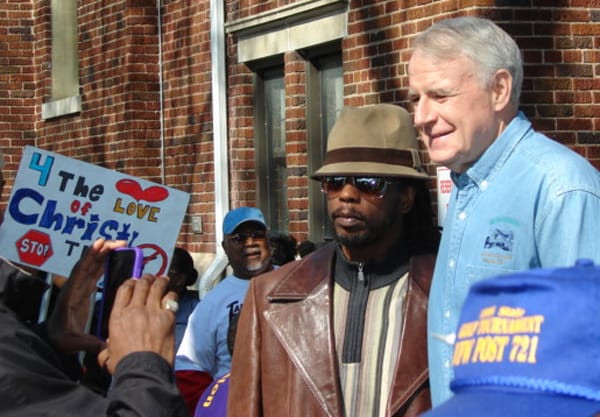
{"x":376,"y":274}
{"x":496,"y":154}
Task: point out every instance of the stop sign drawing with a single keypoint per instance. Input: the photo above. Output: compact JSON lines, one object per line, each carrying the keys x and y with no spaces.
{"x":34,"y":247}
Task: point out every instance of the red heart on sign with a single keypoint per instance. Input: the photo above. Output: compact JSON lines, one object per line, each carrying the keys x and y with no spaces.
{"x":152,"y":194}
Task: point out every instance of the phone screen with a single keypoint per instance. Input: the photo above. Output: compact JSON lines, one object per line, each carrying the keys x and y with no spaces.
{"x":121,"y":264}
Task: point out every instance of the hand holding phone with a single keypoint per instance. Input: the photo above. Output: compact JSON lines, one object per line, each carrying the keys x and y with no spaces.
{"x":121,"y":265}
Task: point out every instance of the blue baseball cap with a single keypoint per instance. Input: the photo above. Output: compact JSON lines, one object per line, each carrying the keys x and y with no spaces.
{"x":242,"y":215}
{"x":528,"y":344}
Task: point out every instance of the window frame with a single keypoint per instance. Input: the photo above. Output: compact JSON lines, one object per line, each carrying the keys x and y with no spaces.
{"x":319,"y":124}
{"x":271,"y":192}
{"x":65,"y":97}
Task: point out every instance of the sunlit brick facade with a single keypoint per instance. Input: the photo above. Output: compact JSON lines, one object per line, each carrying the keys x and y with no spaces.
{"x":146,"y":86}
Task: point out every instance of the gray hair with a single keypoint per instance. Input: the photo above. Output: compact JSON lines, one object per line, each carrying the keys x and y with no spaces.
{"x":480,"y":40}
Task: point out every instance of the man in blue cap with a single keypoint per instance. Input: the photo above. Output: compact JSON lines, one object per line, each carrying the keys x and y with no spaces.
{"x":203,"y":354}
{"x":527,"y":345}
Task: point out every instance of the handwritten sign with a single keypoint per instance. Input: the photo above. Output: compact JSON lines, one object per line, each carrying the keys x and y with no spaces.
{"x":59,"y":206}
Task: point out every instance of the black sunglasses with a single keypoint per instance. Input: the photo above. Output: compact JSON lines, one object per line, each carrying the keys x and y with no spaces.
{"x":373,"y":186}
{"x":242,"y":237}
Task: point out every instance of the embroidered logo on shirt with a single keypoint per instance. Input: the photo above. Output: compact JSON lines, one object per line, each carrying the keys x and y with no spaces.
{"x":498,"y":238}
{"x":500,"y":241}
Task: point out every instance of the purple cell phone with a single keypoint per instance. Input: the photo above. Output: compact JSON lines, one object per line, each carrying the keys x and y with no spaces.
{"x":121,"y":264}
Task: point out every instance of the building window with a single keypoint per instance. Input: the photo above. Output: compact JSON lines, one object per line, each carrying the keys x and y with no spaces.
{"x":271,"y":156}
{"x":325,"y":100}
{"x":64,"y":61}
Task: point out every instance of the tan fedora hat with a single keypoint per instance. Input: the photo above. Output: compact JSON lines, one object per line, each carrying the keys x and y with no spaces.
{"x":378,"y":140}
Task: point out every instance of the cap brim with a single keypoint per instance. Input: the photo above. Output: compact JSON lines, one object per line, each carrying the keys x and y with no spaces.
{"x":492,"y":403}
{"x":369,"y":168}
{"x":231,"y":229}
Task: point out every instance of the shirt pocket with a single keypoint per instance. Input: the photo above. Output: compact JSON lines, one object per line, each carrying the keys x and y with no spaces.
{"x":476,"y":273}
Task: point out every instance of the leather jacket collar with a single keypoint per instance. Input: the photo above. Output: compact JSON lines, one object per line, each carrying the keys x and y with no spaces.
{"x":312,"y":350}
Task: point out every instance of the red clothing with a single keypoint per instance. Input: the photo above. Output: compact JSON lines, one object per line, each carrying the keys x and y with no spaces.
{"x":192,"y":384}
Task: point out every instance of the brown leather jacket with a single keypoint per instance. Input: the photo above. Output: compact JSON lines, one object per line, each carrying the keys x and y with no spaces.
{"x":284,"y":361}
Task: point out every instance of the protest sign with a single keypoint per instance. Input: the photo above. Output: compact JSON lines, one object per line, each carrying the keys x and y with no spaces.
{"x":59,"y":206}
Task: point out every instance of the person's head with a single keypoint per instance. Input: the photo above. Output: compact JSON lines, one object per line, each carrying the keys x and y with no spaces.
{"x":372,"y":177}
{"x":181,"y":273}
{"x":283,"y":248}
{"x":246,"y":242}
{"x":527,"y":345}
{"x":465,"y":77}
{"x":305,"y":247}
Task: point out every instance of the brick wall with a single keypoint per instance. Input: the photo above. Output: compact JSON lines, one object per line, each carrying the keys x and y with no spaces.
{"x":559,"y":40}
{"x":188,"y":130}
{"x":297,"y":144}
{"x":119,"y":125}
{"x":17,"y":84}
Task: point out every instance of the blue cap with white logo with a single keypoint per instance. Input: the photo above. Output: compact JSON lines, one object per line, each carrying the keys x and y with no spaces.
{"x":528,"y":344}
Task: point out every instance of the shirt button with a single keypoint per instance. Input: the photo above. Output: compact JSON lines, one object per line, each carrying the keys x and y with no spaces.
{"x":462,"y":215}
{"x":447,"y":314}
{"x":452,"y":263}
{"x":446,"y":364}
{"x":483,"y":185}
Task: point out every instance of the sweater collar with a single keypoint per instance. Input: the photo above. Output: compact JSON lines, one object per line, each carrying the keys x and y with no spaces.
{"x":375,"y":274}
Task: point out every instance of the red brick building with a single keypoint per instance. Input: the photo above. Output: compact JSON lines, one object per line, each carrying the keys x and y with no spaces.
{"x":231,"y":100}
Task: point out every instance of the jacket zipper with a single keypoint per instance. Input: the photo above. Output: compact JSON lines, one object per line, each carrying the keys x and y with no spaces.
{"x":355,"y":317}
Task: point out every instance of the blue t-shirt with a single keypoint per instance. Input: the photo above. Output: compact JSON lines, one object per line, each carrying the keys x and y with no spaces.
{"x":528,"y":202}
{"x":204,"y":344}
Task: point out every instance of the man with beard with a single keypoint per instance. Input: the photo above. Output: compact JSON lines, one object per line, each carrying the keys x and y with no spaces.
{"x":342,"y":332}
{"x":203,"y":354}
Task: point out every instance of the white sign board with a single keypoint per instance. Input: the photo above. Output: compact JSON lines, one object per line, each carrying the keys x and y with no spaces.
{"x":444,"y":187}
{"x":59,"y":206}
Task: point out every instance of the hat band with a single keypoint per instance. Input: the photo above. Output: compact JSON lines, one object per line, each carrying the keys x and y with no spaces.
{"x":377,"y":155}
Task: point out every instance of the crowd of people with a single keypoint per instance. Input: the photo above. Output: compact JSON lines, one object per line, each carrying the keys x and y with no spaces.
{"x":493,"y":316}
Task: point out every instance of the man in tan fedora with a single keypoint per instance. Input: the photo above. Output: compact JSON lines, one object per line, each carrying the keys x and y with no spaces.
{"x":342,"y":332}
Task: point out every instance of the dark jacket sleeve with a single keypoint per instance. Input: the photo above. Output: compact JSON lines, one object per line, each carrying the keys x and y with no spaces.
{"x":144,"y":385}
{"x":34,"y":383}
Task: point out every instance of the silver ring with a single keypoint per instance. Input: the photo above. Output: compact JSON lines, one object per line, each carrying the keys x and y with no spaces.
{"x":171,"y":305}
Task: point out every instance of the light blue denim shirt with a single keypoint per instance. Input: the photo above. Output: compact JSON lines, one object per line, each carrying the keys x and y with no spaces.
{"x":528,"y":202}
